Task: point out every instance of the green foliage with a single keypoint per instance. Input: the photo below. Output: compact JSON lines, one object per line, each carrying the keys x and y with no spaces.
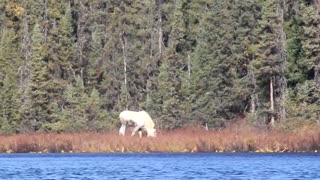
{"x":219,"y":88}
{"x":304,"y":102}
{"x":35,"y":109}
{"x":297,"y":70}
{"x":74,"y":112}
{"x":303,"y":65}
{"x":35,"y":10}
{"x":74,"y":65}
{"x":167,"y":99}
{"x":270,"y":59}
{"x":296,"y":125}
{"x":9,"y":115}
{"x":310,"y":24}
{"x":9,"y":60}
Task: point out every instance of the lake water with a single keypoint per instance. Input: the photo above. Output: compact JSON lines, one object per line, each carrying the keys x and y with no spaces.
{"x":86,"y":166}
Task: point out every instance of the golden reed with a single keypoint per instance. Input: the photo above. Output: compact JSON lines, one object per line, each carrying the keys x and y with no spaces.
{"x":230,"y":139}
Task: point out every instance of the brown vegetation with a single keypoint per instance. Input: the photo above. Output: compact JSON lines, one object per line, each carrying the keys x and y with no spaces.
{"x":231,"y":139}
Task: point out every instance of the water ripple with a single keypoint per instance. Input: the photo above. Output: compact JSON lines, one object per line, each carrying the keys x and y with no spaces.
{"x":160,"y":166}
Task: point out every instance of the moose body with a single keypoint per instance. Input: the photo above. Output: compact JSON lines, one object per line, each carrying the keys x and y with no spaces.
{"x":141,"y":120}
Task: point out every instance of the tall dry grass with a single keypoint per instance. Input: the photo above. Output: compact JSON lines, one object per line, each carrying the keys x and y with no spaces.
{"x":231,"y":139}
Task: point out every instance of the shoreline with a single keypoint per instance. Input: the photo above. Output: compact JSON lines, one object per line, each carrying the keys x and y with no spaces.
{"x":189,"y":140}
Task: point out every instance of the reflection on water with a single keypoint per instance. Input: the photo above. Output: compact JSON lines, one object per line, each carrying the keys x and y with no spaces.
{"x":160,"y":166}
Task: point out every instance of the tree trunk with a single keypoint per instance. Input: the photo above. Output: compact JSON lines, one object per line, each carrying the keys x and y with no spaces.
{"x":160,"y":42}
{"x":123,"y":41}
{"x":80,"y":40}
{"x":254,"y":96}
{"x":281,"y":80}
{"x":189,"y":69}
{"x":253,"y":104}
{"x":24,"y":71}
{"x":271,"y":123}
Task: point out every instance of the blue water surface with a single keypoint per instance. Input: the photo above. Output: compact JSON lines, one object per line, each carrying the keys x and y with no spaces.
{"x":89,"y":166}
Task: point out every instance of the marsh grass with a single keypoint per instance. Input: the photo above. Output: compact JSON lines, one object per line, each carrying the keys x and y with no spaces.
{"x":231,"y":139}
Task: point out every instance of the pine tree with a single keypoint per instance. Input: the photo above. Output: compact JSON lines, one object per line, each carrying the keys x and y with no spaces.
{"x":73,"y":65}
{"x":127,"y":63}
{"x":82,"y":111}
{"x":35,"y":11}
{"x":215,"y":66}
{"x":2,"y":14}
{"x":9,"y":114}
{"x":303,"y":48}
{"x":270,"y":59}
{"x":245,"y":85}
{"x":110,"y":75}
{"x":95,"y":56}
{"x":60,"y":57}
{"x":136,"y":37}
{"x":311,"y":24}
{"x":35,"y":109}
{"x":165,"y":100}
{"x":10,"y":61}
{"x":297,"y":70}
{"x":170,"y":97}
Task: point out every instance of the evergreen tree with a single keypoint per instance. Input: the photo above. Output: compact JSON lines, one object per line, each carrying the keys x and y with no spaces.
{"x":10,"y":117}
{"x":35,"y":10}
{"x":111,"y":69}
{"x":95,"y":56}
{"x":10,"y":61}
{"x":270,"y":60}
{"x":245,"y":86}
{"x":99,"y":119}
{"x":36,"y":105}
{"x":73,"y":65}
{"x":2,"y":14}
{"x":297,"y":71}
{"x":215,"y":68}
{"x":171,"y":95}
{"x":60,"y":57}
{"x":310,"y":44}
{"x":74,"y":116}
{"x":136,"y":37}
{"x":128,"y":65}
{"x":303,"y":71}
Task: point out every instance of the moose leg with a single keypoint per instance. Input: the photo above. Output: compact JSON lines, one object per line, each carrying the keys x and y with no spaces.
{"x":135,"y":130}
{"x":140,"y":133}
{"x":122,"y":129}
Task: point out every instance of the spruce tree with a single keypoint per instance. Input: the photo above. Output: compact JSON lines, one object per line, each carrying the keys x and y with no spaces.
{"x":36,"y":105}
{"x":127,"y":64}
{"x":170,"y":96}
{"x":311,"y":41}
{"x":10,"y":60}
{"x":270,"y":60}
{"x":111,"y":69}
{"x":60,"y":57}
{"x":74,"y":116}
{"x":304,"y":71}
{"x":35,"y":10}
{"x":214,"y":65}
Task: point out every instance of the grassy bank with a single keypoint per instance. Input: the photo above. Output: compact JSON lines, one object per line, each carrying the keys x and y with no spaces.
{"x":232,"y":139}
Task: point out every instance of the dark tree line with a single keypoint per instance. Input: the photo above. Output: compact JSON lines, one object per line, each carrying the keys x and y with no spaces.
{"x":71,"y":65}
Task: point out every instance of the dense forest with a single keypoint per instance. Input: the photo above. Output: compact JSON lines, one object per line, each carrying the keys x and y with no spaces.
{"x":73,"y":65}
